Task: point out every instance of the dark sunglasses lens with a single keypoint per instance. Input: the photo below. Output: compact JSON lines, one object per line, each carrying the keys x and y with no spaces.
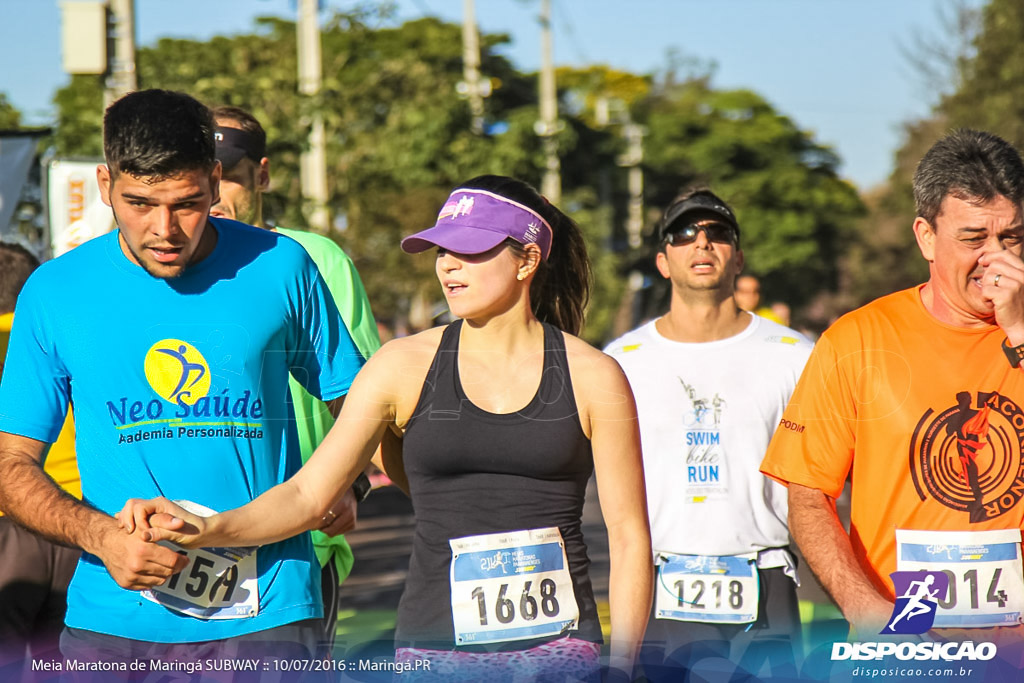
{"x":715,"y":232}
{"x":681,"y":237}
{"x":719,"y":232}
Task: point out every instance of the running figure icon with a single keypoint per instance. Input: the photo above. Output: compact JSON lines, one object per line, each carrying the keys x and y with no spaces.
{"x":186,"y":371}
{"x":916,"y":594}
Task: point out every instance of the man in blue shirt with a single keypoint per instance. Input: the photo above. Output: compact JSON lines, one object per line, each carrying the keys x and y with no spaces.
{"x":173,"y":338}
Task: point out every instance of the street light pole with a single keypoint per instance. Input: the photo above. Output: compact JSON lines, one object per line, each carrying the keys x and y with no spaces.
{"x":632,"y":159}
{"x":547,"y":128}
{"x":313,"y":164}
{"x":121,"y":35}
{"x":471,"y":65}
{"x":613,"y":111}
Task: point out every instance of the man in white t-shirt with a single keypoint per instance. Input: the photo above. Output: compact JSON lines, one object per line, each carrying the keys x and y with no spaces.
{"x":711,"y":382}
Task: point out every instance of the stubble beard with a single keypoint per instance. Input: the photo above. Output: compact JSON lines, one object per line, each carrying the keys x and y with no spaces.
{"x":146,"y":266}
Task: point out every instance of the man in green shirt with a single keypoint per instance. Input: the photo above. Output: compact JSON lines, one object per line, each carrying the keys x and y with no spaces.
{"x":241,"y":149}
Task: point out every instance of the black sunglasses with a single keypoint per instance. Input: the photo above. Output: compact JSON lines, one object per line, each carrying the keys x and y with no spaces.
{"x":715,"y":232}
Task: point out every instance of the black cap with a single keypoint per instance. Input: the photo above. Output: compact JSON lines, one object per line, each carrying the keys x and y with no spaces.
{"x":702,"y":202}
{"x":234,"y":143}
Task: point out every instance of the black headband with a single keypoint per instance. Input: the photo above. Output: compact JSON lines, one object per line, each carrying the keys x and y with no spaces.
{"x":234,"y":143}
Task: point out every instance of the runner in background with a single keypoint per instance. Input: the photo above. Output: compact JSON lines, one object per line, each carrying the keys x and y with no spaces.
{"x":34,"y":573}
{"x":241,"y":150}
{"x":711,"y":382}
{"x":748,"y":298}
{"x":912,"y":396}
{"x":505,"y":415}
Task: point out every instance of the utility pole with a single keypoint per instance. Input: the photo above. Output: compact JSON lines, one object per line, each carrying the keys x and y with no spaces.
{"x":121,"y":38}
{"x":613,"y":111}
{"x":548,"y":126}
{"x":471,"y":87}
{"x":313,"y":164}
{"x":632,"y":159}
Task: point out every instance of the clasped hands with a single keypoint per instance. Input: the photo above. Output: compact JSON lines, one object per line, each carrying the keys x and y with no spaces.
{"x":135,"y":558}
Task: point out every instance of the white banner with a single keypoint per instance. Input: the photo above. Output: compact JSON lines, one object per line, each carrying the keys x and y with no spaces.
{"x":16,"y":154}
{"x":77,"y":214}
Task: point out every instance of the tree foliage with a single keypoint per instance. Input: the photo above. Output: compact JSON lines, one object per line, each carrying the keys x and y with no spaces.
{"x":987,"y":93}
{"x":10,"y":117}
{"x":795,"y":213}
{"x":990,"y":95}
{"x":399,"y":139}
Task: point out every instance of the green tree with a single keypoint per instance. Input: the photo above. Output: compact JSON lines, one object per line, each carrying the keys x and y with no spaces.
{"x":10,"y":117}
{"x":986,"y":91}
{"x":795,"y":213}
{"x":594,"y":186}
{"x":990,"y":85}
{"x":883,"y":256}
{"x":399,"y":139}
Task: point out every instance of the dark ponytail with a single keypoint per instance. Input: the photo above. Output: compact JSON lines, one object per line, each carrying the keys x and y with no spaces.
{"x":561,"y":286}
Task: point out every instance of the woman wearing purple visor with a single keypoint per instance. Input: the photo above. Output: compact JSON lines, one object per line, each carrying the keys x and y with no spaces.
{"x":501,"y":419}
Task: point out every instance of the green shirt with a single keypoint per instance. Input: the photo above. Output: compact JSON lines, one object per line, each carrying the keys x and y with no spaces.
{"x":312,"y":417}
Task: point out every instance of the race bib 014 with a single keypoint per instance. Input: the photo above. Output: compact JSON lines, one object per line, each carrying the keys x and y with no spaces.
{"x":986,"y":585}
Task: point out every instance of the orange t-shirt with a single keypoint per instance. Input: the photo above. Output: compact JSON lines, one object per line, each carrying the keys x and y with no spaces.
{"x":929,"y":416}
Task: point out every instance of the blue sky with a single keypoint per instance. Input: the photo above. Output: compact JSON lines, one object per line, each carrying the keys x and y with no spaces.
{"x":834,"y":66}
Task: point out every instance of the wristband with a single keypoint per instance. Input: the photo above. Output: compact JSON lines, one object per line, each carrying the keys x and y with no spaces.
{"x":1014,"y":354}
{"x":361,"y":487}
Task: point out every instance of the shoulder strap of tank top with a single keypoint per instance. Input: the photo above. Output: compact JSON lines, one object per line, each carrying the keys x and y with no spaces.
{"x":449,"y":339}
{"x":555,"y":384}
{"x":438,"y":394}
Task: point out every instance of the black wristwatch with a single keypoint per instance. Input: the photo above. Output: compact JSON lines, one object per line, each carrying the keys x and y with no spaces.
{"x":361,"y":487}
{"x":1014,"y":354}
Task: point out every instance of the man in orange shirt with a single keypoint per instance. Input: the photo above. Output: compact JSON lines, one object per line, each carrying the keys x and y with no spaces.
{"x":913,"y":394}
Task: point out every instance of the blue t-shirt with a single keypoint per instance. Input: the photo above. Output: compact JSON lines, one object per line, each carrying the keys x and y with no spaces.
{"x":180,"y":389}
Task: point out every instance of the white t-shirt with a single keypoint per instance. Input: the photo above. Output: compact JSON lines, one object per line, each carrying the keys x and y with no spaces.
{"x":707,"y":412}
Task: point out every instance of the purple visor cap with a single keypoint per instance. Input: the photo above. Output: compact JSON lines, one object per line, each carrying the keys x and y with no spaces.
{"x":475,"y":221}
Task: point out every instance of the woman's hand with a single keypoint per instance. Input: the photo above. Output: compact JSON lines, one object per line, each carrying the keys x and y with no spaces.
{"x":159,"y":519}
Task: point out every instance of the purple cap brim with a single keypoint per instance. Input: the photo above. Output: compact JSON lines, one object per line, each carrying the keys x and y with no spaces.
{"x":474,"y":221}
{"x":460,"y":239}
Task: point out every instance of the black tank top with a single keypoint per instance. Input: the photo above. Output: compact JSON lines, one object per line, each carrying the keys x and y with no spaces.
{"x":473,"y":472}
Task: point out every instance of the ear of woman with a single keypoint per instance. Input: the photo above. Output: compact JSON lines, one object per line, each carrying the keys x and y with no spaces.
{"x":531,"y":258}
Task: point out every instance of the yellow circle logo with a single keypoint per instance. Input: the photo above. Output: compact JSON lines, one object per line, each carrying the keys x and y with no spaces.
{"x":177,"y":371}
